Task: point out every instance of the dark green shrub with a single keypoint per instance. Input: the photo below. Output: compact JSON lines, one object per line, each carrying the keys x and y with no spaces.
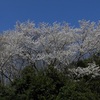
{"x":75,"y":91}
{"x":6,"y":93}
{"x":50,"y":84}
{"x":38,"y":85}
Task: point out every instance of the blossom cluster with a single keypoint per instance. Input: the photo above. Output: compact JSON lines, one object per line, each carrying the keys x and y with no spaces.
{"x":92,"y":70}
{"x":57,"y":44}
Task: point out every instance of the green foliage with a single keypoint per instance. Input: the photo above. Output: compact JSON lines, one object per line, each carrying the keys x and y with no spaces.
{"x":84,"y":63}
{"x":6,"y":93}
{"x":96,"y":58}
{"x":76,"y":91}
{"x":39,"y":85}
{"x":49,"y":84}
{"x":94,"y":86}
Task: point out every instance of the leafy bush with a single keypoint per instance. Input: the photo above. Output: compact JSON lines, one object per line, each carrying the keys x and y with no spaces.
{"x":49,"y":84}
{"x":6,"y":93}
{"x":76,"y":91}
{"x":39,"y":85}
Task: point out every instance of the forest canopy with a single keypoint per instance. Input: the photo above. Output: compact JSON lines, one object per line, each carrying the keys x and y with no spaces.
{"x":58,"y":45}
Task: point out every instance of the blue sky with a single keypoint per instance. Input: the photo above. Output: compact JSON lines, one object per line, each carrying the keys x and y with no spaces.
{"x":47,"y":11}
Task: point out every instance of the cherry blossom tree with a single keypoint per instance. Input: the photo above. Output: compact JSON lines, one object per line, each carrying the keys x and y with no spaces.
{"x":57,"y":44}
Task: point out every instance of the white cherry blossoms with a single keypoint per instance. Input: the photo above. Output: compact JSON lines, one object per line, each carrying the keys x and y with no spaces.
{"x":92,"y":70}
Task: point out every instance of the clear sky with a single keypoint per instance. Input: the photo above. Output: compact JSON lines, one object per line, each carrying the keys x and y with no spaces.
{"x":47,"y":11}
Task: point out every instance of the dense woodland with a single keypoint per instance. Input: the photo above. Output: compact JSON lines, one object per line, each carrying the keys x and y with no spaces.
{"x":50,"y":62}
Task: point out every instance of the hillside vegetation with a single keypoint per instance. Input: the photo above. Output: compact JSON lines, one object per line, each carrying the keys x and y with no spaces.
{"x":50,"y":62}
